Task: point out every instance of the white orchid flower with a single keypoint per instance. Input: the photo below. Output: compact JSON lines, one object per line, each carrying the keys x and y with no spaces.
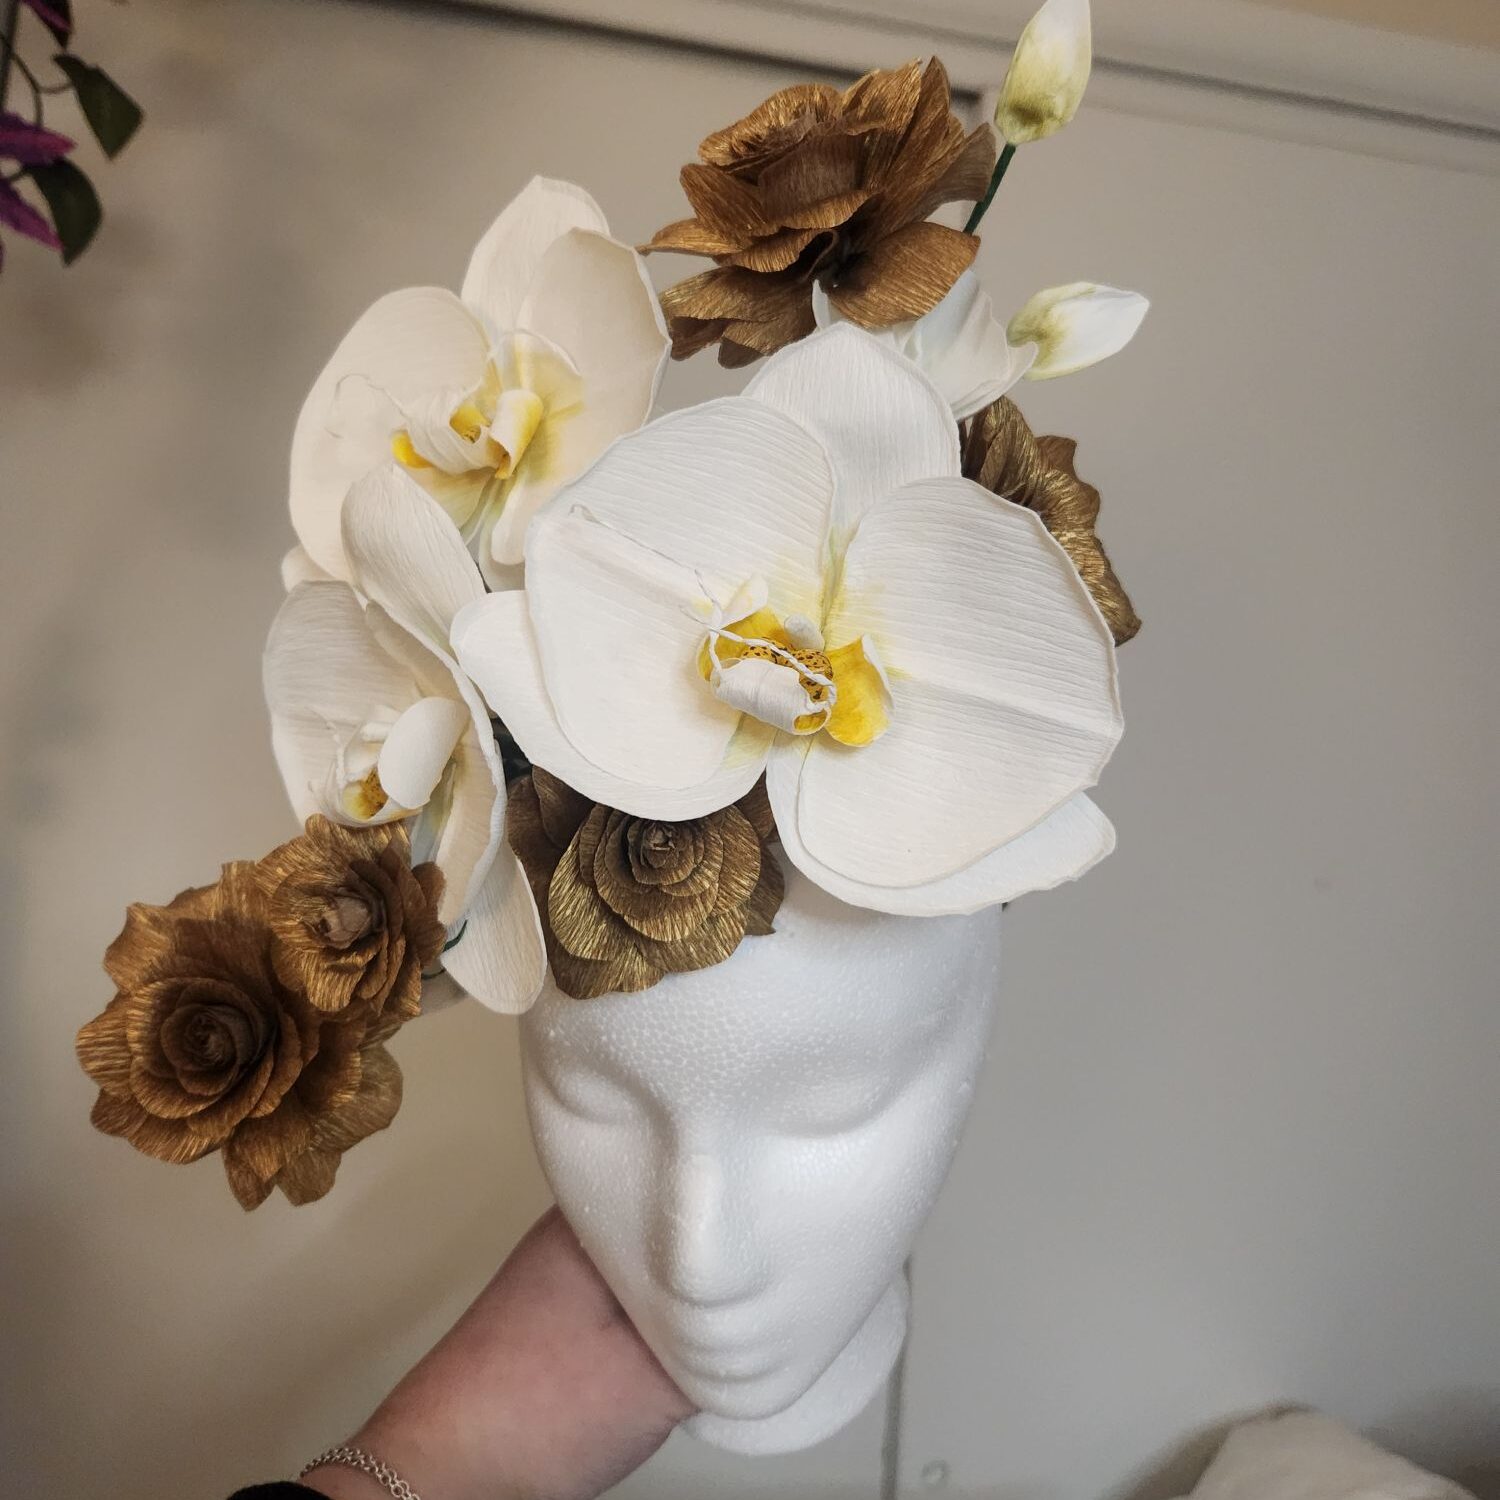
{"x":960,"y":345}
{"x":493,"y":399}
{"x":373,"y":721}
{"x":798,"y":582}
{"x":1048,"y":73}
{"x":1076,"y":326}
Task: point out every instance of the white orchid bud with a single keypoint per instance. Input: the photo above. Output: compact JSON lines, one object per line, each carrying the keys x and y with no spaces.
{"x":1076,"y":326}
{"x":1048,"y":73}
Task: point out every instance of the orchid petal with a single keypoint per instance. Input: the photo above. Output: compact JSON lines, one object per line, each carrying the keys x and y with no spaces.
{"x":325,"y":675}
{"x":770,"y":691}
{"x":1063,"y":846}
{"x":1076,"y":326}
{"x":406,"y":555}
{"x":498,"y":955}
{"x":496,"y":648}
{"x":960,"y":346}
{"x":418,"y":748}
{"x":297,"y":567}
{"x":509,"y":253}
{"x":881,"y":421}
{"x":1048,"y":73}
{"x":1002,"y":678}
{"x":592,"y":298}
{"x":963,"y":349}
{"x":407,"y":345}
{"x":671,"y":487}
{"x":618,"y":629}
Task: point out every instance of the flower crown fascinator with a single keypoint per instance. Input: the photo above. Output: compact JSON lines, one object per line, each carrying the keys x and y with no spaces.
{"x":559,"y":690}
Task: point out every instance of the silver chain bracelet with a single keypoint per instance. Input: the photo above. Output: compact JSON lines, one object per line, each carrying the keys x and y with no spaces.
{"x":345,"y":1457}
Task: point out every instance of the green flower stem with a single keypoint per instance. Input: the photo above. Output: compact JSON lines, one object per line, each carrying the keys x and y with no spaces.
{"x":982,"y":207}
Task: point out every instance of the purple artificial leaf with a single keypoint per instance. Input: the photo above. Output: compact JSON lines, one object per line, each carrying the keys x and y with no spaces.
{"x":30,"y":144}
{"x":55,"y":15}
{"x":16,"y":213}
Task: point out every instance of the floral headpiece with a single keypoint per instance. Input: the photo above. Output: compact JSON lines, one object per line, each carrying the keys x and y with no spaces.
{"x":557,"y":688}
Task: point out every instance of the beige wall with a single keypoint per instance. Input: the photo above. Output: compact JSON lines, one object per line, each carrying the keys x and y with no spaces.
{"x":1237,"y":1141}
{"x":1475,"y":23}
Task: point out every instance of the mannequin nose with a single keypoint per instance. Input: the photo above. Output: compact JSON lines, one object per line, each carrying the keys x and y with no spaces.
{"x":705,"y":1253}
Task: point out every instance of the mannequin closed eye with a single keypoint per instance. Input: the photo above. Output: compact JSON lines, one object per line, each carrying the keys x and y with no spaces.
{"x":836,"y":1105}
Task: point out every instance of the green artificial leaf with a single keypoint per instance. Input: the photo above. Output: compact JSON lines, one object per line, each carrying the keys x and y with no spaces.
{"x":73,"y":202}
{"x":112,"y":114}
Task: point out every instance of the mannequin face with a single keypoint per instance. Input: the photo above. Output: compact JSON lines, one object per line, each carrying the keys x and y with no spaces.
{"x":748,"y":1151}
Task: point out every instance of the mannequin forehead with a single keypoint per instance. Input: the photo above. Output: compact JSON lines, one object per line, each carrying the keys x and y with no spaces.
{"x":853,"y":999}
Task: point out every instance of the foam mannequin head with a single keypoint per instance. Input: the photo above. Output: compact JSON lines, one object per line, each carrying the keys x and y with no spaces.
{"x":747,"y":1152}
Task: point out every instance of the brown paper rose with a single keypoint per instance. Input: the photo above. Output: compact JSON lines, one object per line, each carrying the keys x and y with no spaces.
{"x":1001,"y":453}
{"x":821,"y":186}
{"x":352,"y":921}
{"x":206,"y":1048}
{"x":627,"y":900}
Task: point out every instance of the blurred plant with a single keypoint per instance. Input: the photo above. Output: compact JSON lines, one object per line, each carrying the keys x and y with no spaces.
{"x":32,"y":154}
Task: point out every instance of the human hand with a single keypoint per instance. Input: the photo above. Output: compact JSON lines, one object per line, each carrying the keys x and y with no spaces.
{"x":541,"y":1391}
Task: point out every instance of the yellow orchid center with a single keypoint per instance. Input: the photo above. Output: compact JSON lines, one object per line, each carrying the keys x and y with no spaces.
{"x":364,"y":798}
{"x":785,"y":676}
{"x":488,"y":431}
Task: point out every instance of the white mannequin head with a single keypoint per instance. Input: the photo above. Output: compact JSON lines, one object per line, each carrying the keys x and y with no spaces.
{"x":748,"y":1151}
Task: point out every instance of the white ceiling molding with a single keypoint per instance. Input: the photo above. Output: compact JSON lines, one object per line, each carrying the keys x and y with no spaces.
{"x":1249,"y":52}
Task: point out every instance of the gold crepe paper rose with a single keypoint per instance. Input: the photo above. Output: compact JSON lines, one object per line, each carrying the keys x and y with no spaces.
{"x":352,"y":922}
{"x":626,"y":900}
{"x":1001,"y":453}
{"x":827,"y":187}
{"x":205,"y":1048}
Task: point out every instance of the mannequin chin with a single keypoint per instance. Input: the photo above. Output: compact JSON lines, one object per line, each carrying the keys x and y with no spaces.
{"x":747,"y":1152}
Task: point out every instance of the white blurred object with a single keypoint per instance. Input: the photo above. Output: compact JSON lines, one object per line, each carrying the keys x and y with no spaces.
{"x":1303,"y":1455}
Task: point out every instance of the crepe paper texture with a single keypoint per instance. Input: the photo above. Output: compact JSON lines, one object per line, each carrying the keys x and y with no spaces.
{"x":627,"y":900}
{"x":494,"y":398}
{"x":829,"y":498}
{"x":214,"y":1042}
{"x":562,"y":687}
{"x":818,"y":185}
{"x":1002,"y":454}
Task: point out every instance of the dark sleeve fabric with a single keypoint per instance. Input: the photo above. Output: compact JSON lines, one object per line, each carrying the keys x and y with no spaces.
{"x":281,"y":1491}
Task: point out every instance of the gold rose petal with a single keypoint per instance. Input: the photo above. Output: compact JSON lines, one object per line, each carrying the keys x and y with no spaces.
{"x":372,"y":1108}
{"x":103,"y":1050}
{"x":776,"y":252}
{"x":968,"y":175}
{"x":756,"y":806}
{"x":884,"y":99}
{"x":627,"y":973}
{"x":784,"y":324}
{"x":825,"y":169}
{"x":905,"y":275}
{"x":149,"y":1135}
{"x":736,"y":356}
{"x":911,"y":161}
{"x":690,"y":237}
{"x":740,"y":872}
{"x":665,"y":914}
{"x":724,"y":204}
{"x":307,"y":1177}
{"x":765,"y":901}
{"x":581,"y":922}
{"x":771,"y":127}
{"x":711,"y":942}
{"x":562,"y":809}
{"x":1001,"y":453}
